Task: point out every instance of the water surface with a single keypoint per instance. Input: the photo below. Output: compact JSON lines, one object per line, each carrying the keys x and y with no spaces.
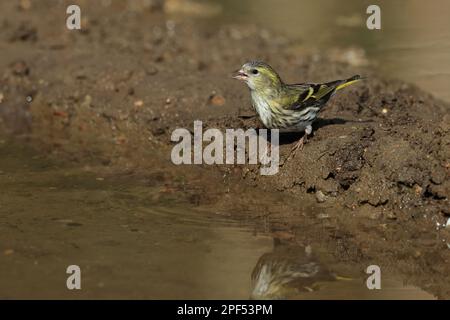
{"x":130,"y":243}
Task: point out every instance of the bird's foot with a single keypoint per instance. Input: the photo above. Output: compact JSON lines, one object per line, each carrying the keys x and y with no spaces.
{"x":298,"y":146}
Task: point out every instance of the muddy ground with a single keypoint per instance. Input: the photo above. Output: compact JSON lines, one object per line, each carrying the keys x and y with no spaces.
{"x":370,"y":187}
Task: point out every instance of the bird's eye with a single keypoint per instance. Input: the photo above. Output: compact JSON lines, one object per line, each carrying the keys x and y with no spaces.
{"x":255,"y":71}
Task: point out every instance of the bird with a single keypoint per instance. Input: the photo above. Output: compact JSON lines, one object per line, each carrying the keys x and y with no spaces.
{"x":287,"y":271}
{"x":287,"y":107}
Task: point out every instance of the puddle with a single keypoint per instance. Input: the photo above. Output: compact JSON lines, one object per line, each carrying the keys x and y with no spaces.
{"x":128,"y":246}
{"x":294,"y":272}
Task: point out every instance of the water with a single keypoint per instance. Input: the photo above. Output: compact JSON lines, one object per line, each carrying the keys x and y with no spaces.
{"x":413,"y":44}
{"x":53,"y":215}
{"x":130,"y":243}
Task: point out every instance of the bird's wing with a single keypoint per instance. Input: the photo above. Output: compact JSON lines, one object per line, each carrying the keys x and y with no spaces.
{"x":309,"y":94}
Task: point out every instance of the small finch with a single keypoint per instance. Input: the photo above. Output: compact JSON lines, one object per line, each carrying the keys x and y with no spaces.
{"x":287,"y":107}
{"x":288,"y":271}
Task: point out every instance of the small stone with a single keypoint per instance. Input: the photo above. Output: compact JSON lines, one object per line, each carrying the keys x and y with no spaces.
{"x":20,"y":68}
{"x":438,"y":191}
{"x":138,"y":103}
{"x":320,"y":197}
{"x":390,"y":215}
{"x":384,"y":111}
{"x":447,"y":225}
{"x":418,"y":190}
{"x":87,"y":101}
{"x":121,"y":140}
{"x":217,"y":100}
{"x":59,"y":113}
{"x":438,"y":176}
{"x":8,"y":252}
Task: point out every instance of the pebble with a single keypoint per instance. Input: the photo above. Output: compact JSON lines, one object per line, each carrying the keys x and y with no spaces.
{"x":391,"y":215}
{"x":138,"y":103}
{"x":308,"y":250}
{"x":437,"y":176}
{"x":217,"y":100}
{"x":418,"y":190}
{"x":8,"y":252}
{"x":58,"y":113}
{"x":320,"y":197}
{"x":87,"y":101}
{"x":20,"y":68}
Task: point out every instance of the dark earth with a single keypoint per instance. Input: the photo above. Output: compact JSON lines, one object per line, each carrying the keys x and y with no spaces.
{"x":371,"y":186}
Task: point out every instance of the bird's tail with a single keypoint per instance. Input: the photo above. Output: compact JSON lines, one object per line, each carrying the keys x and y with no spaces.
{"x":348,"y":82}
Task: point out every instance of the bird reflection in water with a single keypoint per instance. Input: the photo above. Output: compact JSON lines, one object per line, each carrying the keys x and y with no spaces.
{"x":288,"y":271}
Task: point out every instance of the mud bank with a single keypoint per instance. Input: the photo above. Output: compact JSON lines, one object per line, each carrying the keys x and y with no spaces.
{"x":371,"y":186}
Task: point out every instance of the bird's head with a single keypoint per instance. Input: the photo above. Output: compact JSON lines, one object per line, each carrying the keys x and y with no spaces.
{"x":258,"y":76}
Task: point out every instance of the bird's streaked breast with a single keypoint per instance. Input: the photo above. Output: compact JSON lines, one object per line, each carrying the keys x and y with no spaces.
{"x":274,"y":116}
{"x":263,"y":109}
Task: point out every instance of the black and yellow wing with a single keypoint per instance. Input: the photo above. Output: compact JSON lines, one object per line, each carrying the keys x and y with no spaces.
{"x":315,"y":95}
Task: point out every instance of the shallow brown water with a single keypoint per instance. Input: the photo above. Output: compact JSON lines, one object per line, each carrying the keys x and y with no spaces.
{"x":128,"y":244}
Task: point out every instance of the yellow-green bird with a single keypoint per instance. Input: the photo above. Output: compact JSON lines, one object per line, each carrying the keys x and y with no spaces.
{"x":287,"y":107}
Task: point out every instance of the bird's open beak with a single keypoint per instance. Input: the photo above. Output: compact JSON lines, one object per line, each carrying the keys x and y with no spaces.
{"x":240,"y":75}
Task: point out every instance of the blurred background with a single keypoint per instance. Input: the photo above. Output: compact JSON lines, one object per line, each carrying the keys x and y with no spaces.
{"x":413,"y":44}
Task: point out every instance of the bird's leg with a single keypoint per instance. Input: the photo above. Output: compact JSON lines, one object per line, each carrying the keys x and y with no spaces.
{"x":299,"y":145}
{"x":302,"y":141}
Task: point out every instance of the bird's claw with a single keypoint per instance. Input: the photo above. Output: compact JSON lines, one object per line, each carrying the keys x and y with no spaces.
{"x":298,"y":146}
